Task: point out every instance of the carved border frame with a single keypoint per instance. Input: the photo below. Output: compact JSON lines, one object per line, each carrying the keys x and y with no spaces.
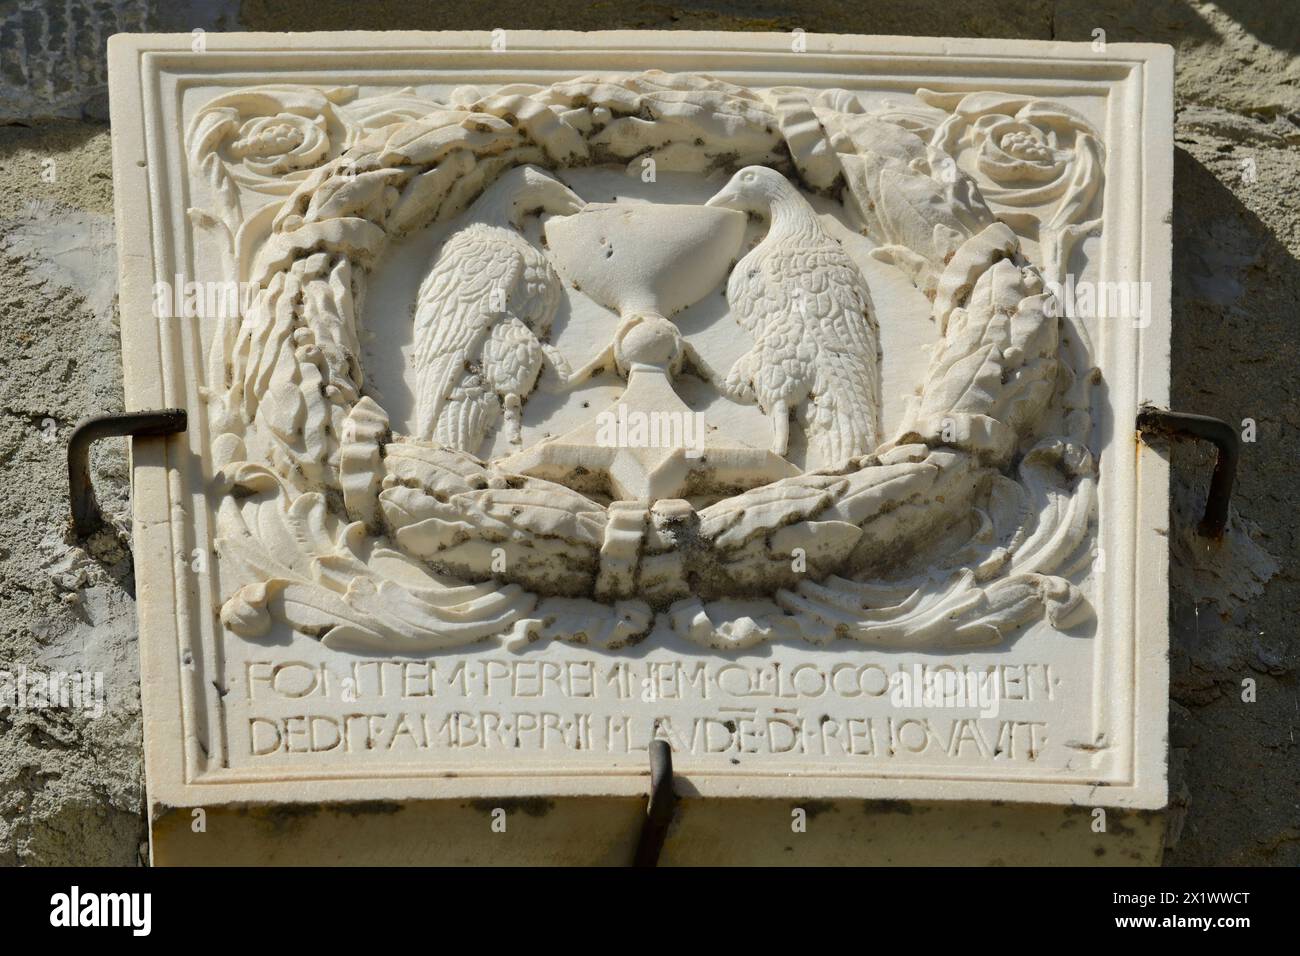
{"x":150,"y":75}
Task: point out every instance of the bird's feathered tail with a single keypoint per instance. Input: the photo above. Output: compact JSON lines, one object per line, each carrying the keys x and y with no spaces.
{"x":452,"y":321}
{"x":839,"y":418}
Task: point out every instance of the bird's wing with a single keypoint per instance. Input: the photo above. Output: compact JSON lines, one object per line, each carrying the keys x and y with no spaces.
{"x":841,"y":419}
{"x":752,"y":296}
{"x":539,"y":288}
{"x":513,"y":354}
{"x":456,"y":311}
{"x":758,"y":300}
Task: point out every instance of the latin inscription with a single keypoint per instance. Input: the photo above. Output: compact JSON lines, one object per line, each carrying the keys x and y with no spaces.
{"x":587,"y":706}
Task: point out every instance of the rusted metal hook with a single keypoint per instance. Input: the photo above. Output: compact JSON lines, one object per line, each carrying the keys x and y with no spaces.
{"x":659,"y":811}
{"x":86,"y":516}
{"x":1159,"y":421}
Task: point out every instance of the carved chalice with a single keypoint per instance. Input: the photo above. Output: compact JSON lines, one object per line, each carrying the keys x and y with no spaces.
{"x":647,"y":262}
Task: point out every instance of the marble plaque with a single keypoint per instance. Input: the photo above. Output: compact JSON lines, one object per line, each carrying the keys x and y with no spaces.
{"x":772,"y":395}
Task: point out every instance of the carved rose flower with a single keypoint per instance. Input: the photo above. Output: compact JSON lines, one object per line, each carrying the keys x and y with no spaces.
{"x":1037,"y":163}
{"x":1022,"y":151}
{"x":1011,"y":150}
{"x":268,"y":137}
{"x":1014,"y":143}
{"x":274,"y":145}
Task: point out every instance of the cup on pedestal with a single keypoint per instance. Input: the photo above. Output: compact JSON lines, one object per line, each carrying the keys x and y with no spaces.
{"x":647,"y":262}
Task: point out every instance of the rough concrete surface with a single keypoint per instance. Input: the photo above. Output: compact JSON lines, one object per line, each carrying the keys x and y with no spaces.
{"x":70,"y":785}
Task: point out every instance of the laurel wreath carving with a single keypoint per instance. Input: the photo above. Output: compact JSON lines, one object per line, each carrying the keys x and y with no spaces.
{"x":370,"y":540}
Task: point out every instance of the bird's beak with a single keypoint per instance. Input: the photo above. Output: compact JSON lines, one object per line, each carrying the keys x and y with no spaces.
{"x":561,"y":200}
{"x":570,"y":203}
{"x":726,"y":199}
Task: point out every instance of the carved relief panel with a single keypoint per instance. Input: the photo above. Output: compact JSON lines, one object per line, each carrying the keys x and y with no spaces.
{"x":655,"y":396}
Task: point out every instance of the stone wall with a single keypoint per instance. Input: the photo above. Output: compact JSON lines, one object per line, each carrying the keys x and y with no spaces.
{"x":70,"y":785}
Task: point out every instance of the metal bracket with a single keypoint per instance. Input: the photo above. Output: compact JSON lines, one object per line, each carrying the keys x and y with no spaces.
{"x":659,"y":811}
{"x":86,"y":516}
{"x":1159,"y":421}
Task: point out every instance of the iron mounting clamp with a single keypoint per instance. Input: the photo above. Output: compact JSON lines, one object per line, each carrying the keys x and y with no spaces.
{"x":86,"y":516}
{"x":1159,"y":421}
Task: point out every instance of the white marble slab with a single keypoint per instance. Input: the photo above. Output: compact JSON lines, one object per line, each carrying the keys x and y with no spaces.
{"x":394,"y":557}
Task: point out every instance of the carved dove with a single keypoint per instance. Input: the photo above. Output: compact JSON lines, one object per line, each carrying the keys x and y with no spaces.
{"x":483,"y":313}
{"x":816,"y":351}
